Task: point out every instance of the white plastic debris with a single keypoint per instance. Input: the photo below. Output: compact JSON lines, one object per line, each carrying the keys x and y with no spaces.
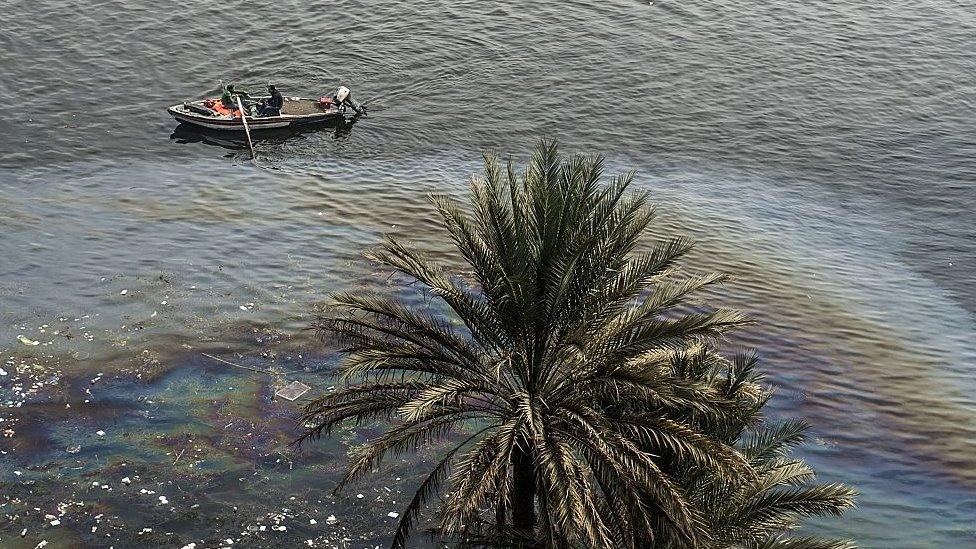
{"x":331,"y":520}
{"x":100,"y":433}
{"x":393,"y":514}
{"x":3,"y":372}
{"x":27,"y":341}
{"x":360,"y":496}
{"x":126,"y":480}
{"x":123,"y":292}
{"x":189,"y":546}
{"x":163,"y":500}
{"x":55,"y":522}
{"x":312,"y":521}
{"x":293,"y":390}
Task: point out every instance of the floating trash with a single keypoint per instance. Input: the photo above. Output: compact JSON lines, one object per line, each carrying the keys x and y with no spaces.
{"x":293,"y":390}
{"x":27,"y":341}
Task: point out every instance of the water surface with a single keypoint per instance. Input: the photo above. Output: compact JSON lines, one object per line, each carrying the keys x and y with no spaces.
{"x":823,"y":153}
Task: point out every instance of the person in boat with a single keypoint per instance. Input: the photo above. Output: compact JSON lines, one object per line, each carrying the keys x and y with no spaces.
{"x":272,"y":105}
{"x":228,"y":100}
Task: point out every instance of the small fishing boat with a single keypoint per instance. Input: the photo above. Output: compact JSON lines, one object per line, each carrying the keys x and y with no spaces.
{"x":339,"y":129}
{"x":212,"y":114}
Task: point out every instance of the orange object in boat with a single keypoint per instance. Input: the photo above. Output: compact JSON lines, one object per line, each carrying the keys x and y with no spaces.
{"x":219,"y":108}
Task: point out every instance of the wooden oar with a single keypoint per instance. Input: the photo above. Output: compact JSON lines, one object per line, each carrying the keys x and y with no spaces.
{"x":247,"y":131}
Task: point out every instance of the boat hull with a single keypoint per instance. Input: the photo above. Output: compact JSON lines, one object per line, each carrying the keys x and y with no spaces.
{"x":296,"y":112}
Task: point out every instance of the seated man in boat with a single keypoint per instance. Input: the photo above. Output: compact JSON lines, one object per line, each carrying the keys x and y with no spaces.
{"x":272,"y":105}
{"x":227,"y":98}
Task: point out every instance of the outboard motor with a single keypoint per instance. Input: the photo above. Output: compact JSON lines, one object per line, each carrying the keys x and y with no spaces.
{"x":343,"y":98}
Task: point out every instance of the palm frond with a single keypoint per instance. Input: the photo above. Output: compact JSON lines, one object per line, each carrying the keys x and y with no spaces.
{"x":771,"y":442}
{"x":803,"y":542}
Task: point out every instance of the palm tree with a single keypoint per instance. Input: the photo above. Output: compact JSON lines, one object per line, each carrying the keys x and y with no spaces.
{"x":757,"y":509}
{"x":561,"y":371}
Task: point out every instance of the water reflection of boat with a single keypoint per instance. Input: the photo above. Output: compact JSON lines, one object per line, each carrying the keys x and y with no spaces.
{"x":187,"y":133}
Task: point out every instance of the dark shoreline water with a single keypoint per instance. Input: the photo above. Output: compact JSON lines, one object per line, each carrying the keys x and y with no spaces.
{"x":822,"y":154}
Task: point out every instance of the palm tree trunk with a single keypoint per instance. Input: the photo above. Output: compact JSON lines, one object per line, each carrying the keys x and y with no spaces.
{"x":500,"y":517}
{"x":523,"y":498}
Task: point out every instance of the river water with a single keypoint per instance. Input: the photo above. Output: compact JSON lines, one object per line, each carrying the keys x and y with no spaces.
{"x":822,"y":152}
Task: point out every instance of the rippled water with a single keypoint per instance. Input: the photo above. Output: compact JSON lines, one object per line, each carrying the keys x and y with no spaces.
{"x":821,"y":152}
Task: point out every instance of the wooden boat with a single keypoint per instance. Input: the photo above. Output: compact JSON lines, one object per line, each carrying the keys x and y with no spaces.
{"x":296,"y":111}
{"x":340,"y":129}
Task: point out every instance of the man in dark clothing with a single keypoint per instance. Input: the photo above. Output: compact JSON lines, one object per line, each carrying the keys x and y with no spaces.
{"x":272,"y":105}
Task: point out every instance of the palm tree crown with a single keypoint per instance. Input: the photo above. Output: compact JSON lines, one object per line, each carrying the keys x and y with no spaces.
{"x":579,"y":389}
